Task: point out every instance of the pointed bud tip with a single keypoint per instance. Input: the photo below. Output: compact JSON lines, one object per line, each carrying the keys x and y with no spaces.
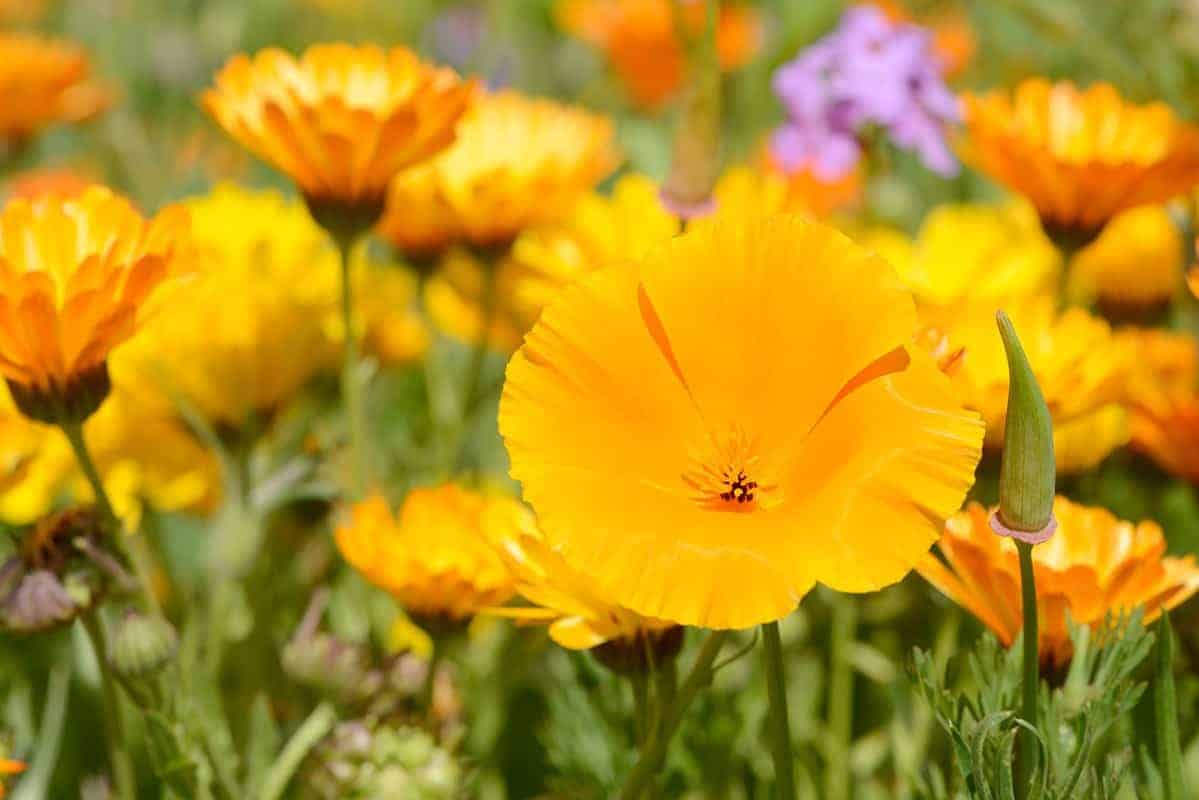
{"x":1027,"y":477}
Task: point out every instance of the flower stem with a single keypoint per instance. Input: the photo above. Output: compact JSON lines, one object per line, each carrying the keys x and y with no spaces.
{"x":351,"y":390}
{"x":840,"y":711}
{"x":74,"y":434}
{"x":1169,"y":747}
{"x":125,"y":785}
{"x":429,"y":689}
{"x":780,"y":727}
{"x":654,"y":752}
{"x":1027,"y":757}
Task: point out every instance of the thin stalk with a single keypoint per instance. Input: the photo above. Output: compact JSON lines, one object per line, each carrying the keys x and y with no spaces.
{"x":780,"y":725}
{"x":1165,"y":708}
{"x":472,"y":385}
{"x":840,"y":708}
{"x":428,"y":690}
{"x":1027,"y":756}
{"x":351,"y":390}
{"x":642,"y":773}
{"x":74,"y":434}
{"x":124,"y":783}
{"x":641,"y":707}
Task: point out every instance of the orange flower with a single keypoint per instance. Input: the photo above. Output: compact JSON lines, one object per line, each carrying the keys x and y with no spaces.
{"x":1094,"y":565}
{"x":341,"y":121}
{"x":1162,"y":399}
{"x":42,"y":82}
{"x":74,"y":276}
{"x":518,"y":162}
{"x":1081,"y":156}
{"x":435,"y":559}
{"x":53,"y":181}
{"x":10,"y":767}
{"x":640,"y":38}
{"x":692,"y":437}
{"x":579,"y":616}
{"x":766,"y":189}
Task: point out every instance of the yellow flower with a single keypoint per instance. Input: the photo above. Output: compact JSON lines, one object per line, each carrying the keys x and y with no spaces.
{"x":341,"y":121}
{"x":975,"y":253}
{"x":579,"y":615}
{"x":435,"y":559}
{"x":601,"y":230}
{"x":394,"y":331}
{"x":43,"y":82}
{"x":1162,"y":399}
{"x":75,"y":274}
{"x":641,"y":39}
{"x":766,"y":189}
{"x":1081,"y":367}
{"x":1134,"y":266}
{"x":1094,"y":565}
{"x":518,"y":162}
{"x":145,"y":457}
{"x":707,"y":454}
{"x":1080,"y":156}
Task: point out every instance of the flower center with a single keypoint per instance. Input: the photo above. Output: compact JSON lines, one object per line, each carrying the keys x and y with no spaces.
{"x":727,"y":475}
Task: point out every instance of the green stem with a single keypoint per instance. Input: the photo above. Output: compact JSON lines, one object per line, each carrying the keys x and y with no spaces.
{"x":351,"y":390}
{"x":1027,"y":757}
{"x":309,"y":734}
{"x":472,"y":386}
{"x":429,"y":688}
{"x":641,"y":713}
{"x":1165,"y":707}
{"x":642,"y":773}
{"x":124,"y":783}
{"x":840,"y":709}
{"x":780,"y":725}
{"x":74,"y":434}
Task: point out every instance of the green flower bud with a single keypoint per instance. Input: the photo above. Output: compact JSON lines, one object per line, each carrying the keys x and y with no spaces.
{"x":1028,"y":471}
{"x":143,"y":645}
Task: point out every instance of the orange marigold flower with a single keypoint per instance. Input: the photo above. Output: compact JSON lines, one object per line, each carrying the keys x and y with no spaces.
{"x":341,"y":121}
{"x":10,"y":767}
{"x":518,"y":162}
{"x":1164,"y":407}
{"x":1080,"y":156}
{"x":579,"y":615}
{"x":74,"y":277}
{"x":679,"y":429}
{"x":641,"y":39}
{"x":42,"y":82}
{"x":41,"y":182}
{"x":766,"y":189}
{"x":435,"y":558}
{"x":1094,"y":565}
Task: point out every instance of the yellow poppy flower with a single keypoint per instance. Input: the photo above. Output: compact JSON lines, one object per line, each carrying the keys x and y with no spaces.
{"x":435,"y":559}
{"x":679,"y":429}
{"x":1081,"y":367}
{"x":641,"y":39}
{"x":578,"y":614}
{"x":600,"y":230}
{"x":43,"y":82}
{"x":1093,"y":566}
{"x":145,"y":457}
{"x":341,"y":121}
{"x":75,"y":274}
{"x":518,"y":162}
{"x":1080,"y":156}
{"x":971,"y":253}
{"x":1134,"y":266}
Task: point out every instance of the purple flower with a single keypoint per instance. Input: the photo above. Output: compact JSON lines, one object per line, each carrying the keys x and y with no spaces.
{"x":869,"y":72}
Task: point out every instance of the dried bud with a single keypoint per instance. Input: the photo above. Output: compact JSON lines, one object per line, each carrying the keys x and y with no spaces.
{"x":143,"y":645}
{"x":1028,"y":471}
{"x":38,"y":602}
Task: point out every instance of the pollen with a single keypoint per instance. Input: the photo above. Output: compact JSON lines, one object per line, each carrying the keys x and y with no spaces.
{"x":726,"y":474}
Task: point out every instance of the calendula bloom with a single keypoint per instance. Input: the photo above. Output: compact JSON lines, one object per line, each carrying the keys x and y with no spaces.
{"x":341,"y":121}
{"x":1094,"y":566}
{"x":641,"y":39}
{"x":706,"y":454}
{"x":767,"y":188}
{"x":1134,"y":266}
{"x":972,"y":253}
{"x":578,"y":614}
{"x":435,"y":558}
{"x":1081,"y":156}
{"x":36,"y":183}
{"x":601,"y":230}
{"x":44,"y":82}
{"x":75,"y":275}
{"x":146,"y":458}
{"x":518,"y":162}
{"x":1162,"y":399}
{"x":246,"y":333}
{"x":1081,"y":367}
{"x":9,"y":767}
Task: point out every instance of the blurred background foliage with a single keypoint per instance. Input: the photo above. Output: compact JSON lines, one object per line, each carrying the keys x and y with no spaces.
{"x":544,"y":721}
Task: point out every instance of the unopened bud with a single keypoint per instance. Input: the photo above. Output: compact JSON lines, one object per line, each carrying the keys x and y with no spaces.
{"x":1028,"y":471}
{"x":143,"y":645}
